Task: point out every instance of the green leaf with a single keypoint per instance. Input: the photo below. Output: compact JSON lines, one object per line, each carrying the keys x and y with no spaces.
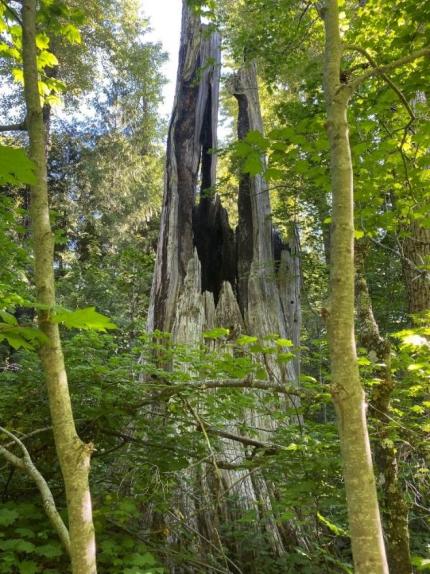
{"x":46,"y":60}
{"x":246,"y":340}
{"x":17,"y":337}
{"x":42,"y":41}
{"x":18,"y":545}
{"x":302,"y":166}
{"x":49,"y":550}
{"x":273,"y":173}
{"x":216,"y":333}
{"x":8,"y":516}
{"x":87,"y":318}
{"x":284,"y":342}
{"x":145,"y":559}
{"x":25,"y":532}
{"x":242,"y":149}
{"x":8,"y":318}
{"x":52,"y":100}
{"x":10,"y":52}
{"x":360,"y":147}
{"x":28,"y":567}
{"x":286,"y":133}
{"x":18,"y":75}
{"x":253,"y":164}
{"x":71,"y":33}
{"x":285,"y":357}
{"x":421,"y":564}
{"x":15,"y":167}
{"x":255,"y":137}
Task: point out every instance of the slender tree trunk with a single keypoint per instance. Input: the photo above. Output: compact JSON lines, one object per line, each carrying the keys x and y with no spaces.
{"x":416,"y":249}
{"x":73,"y":454}
{"x":348,"y":395}
{"x":393,"y":504}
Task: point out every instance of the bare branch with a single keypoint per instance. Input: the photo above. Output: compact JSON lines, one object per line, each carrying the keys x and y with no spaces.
{"x":203,"y":427}
{"x":244,"y":439}
{"x":21,"y":127}
{"x":11,"y":11}
{"x":245,"y":384}
{"x":13,"y":459}
{"x":26,"y":464}
{"x":29,"y":435}
{"x":126,"y":438}
{"x":380,"y":70}
{"x":175,"y":389}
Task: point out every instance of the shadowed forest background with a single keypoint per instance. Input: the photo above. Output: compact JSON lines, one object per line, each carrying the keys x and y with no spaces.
{"x":215,"y":330}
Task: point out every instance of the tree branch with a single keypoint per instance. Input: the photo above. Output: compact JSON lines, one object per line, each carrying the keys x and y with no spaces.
{"x":247,"y":441}
{"x":11,"y":11}
{"x":245,"y":384}
{"x":380,"y":70}
{"x":26,"y":464}
{"x":21,"y":127}
{"x":28,"y":435}
{"x":174,"y":389}
{"x":384,"y":76}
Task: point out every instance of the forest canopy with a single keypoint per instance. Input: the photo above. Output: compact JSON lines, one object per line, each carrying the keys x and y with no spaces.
{"x":215,"y":330}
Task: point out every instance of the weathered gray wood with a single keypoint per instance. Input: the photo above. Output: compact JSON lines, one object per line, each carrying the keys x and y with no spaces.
{"x":207,"y":275}
{"x":289,"y":278}
{"x":260,"y":290}
{"x":192,"y":132}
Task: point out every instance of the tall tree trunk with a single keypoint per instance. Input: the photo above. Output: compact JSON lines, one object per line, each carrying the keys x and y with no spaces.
{"x":393,"y":504}
{"x":206,"y":275}
{"x":73,"y":454}
{"x":348,"y":395}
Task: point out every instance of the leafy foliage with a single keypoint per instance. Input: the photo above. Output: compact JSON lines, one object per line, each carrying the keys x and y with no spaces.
{"x":136,"y":395}
{"x":15,"y":167}
{"x":84,"y":319}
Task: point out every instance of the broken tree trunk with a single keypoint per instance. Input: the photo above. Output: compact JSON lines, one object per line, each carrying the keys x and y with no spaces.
{"x":206,"y":275}
{"x":264,"y":301}
{"x":192,"y":134}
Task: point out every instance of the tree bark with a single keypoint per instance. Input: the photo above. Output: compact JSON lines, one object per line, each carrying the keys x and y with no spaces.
{"x":348,"y":395}
{"x":393,"y":504}
{"x":416,"y":261}
{"x":73,"y":454}
{"x":206,"y":275}
{"x":192,"y":134}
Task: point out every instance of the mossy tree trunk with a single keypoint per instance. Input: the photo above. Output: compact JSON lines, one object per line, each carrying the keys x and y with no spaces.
{"x":393,"y":504}
{"x":73,"y":454}
{"x":416,"y":262}
{"x":348,"y":395}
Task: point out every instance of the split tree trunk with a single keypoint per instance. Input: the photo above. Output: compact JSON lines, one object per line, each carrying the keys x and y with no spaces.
{"x":73,"y":454}
{"x":348,"y":395}
{"x":207,"y":275}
